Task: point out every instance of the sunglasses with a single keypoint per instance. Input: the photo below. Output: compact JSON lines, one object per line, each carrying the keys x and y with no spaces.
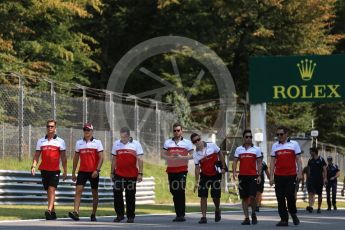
{"x":86,"y":130}
{"x":196,"y":140}
{"x":280,"y":134}
{"x":50,"y":126}
{"x":177,"y":130}
{"x":248,"y":137}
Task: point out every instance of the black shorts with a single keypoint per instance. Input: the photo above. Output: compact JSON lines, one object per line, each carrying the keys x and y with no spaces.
{"x":247,"y":186}
{"x":260,"y":187}
{"x":50,"y":178}
{"x":315,"y":186}
{"x":83,"y":177}
{"x":207,"y":182}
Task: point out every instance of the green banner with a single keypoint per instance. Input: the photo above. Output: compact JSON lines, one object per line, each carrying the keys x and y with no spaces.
{"x":297,"y":79}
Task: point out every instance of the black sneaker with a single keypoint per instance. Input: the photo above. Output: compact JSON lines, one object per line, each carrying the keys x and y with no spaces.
{"x":203,"y":220}
{"x":93,"y":218}
{"x":246,"y":222}
{"x":130,"y":220}
{"x":329,"y":209}
{"x":318,"y":210}
{"x":295,"y":219}
{"x":254,"y":220}
{"x":282,"y":223}
{"x":48,"y":215}
{"x":217,"y":216}
{"x":53,"y":214}
{"x":74,"y":216}
{"x":309,"y":209}
{"x":335,"y":208}
{"x":179,"y":219}
{"x":119,"y":219}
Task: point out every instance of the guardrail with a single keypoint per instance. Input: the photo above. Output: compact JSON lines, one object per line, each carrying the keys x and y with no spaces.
{"x":19,"y":187}
{"x":269,"y":195}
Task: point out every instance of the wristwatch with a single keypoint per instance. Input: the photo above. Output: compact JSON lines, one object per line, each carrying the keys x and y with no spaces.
{"x":98,"y":170}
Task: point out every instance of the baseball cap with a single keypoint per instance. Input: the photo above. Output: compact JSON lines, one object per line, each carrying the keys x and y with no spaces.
{"x":88,"y":126}
{"x":329,"y":158}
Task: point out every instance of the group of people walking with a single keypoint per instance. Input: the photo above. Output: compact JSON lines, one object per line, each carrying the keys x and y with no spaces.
{"x":127,"y":169}
{"x":318,"y":174}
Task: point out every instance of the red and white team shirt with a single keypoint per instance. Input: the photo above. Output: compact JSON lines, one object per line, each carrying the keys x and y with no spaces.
{"x":182,"y":147}
{"x":88,"y":153}
{"x":207,"y":158}
{"x":285,"y":154}
{"x":50,"y":152}
{"x":126,"y":157}
{"x":248,"y":165}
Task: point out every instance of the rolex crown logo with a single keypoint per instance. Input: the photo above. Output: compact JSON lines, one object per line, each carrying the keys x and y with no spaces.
{"x":306,"y":69}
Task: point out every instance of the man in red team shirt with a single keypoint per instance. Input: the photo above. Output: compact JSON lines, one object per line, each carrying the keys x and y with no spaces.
{"x":126,"y":170}
{"x":52,"y":148}
{"x":249,"y":177}
{"x":207,"y":175}
{"x":90,"y":152}
{"x":177,"y":151}
{"x":286,"y":154}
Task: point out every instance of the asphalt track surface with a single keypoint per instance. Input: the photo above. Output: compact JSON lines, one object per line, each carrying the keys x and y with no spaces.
{"x":267,"y":219}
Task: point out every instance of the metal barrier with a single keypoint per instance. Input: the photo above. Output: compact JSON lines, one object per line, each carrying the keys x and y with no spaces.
{"x":19,"y":187}
{"x":269,"y":195}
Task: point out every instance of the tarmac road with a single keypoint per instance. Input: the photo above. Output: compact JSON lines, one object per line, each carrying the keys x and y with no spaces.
{"x":333,"y":220}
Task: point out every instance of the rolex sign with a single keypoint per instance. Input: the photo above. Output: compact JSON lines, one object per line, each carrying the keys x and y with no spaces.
{"x":297,"y":79}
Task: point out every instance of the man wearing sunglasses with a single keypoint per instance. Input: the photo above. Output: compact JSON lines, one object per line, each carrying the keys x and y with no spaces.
{"x":177,"y":151}
{"x":250,"y":158}
{"x":286,"y":154}
{"x":52,"y":148}
{"x":90,"y":152}
{"x":206,"y":174}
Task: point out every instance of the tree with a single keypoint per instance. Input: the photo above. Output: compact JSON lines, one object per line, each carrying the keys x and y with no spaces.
{"x":39,"y":38}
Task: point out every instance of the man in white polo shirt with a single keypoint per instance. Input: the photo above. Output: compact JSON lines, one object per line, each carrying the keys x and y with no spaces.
{"x":52,"y":148}
{"x":90,"y":152}
{"x":126,"y":170}
{"x":285,"y":156}
{"x":249,"y":177}
{"x":207,"y":175}
{"x":177,"y":151}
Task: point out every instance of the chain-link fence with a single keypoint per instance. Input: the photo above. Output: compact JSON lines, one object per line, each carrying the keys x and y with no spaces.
{"x":24,"y":111}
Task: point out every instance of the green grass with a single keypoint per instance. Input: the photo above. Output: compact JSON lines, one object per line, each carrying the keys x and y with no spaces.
{"x":157,"y":171}
{"x":22,"y":212}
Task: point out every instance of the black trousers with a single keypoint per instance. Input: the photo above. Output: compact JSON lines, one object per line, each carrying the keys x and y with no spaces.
{"x":285,"y":193}
{"x":333,"y":186}
{"x":129,"y":185}
{"x":177,"y":185}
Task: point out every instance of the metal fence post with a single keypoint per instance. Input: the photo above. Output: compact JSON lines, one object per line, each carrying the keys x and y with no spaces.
{"x":3,"y":140}
{"x":29,"y":142}
{"x":136,"y":119}
{"x":53,"y":99}
{"x":20,"y":118}
{"x":84,"y":105}
{"x":158,"y":128}
{"x":70,"y":141}
{"x":105,"y":144}
{"x":111,"y":111}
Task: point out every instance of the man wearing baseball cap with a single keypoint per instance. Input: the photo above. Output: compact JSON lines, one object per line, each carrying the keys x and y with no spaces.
{"x":90,"y":152}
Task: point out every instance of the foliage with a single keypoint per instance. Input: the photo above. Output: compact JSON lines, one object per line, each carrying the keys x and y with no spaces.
{"x":38,"y":38}
{"x":81,"y":41}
